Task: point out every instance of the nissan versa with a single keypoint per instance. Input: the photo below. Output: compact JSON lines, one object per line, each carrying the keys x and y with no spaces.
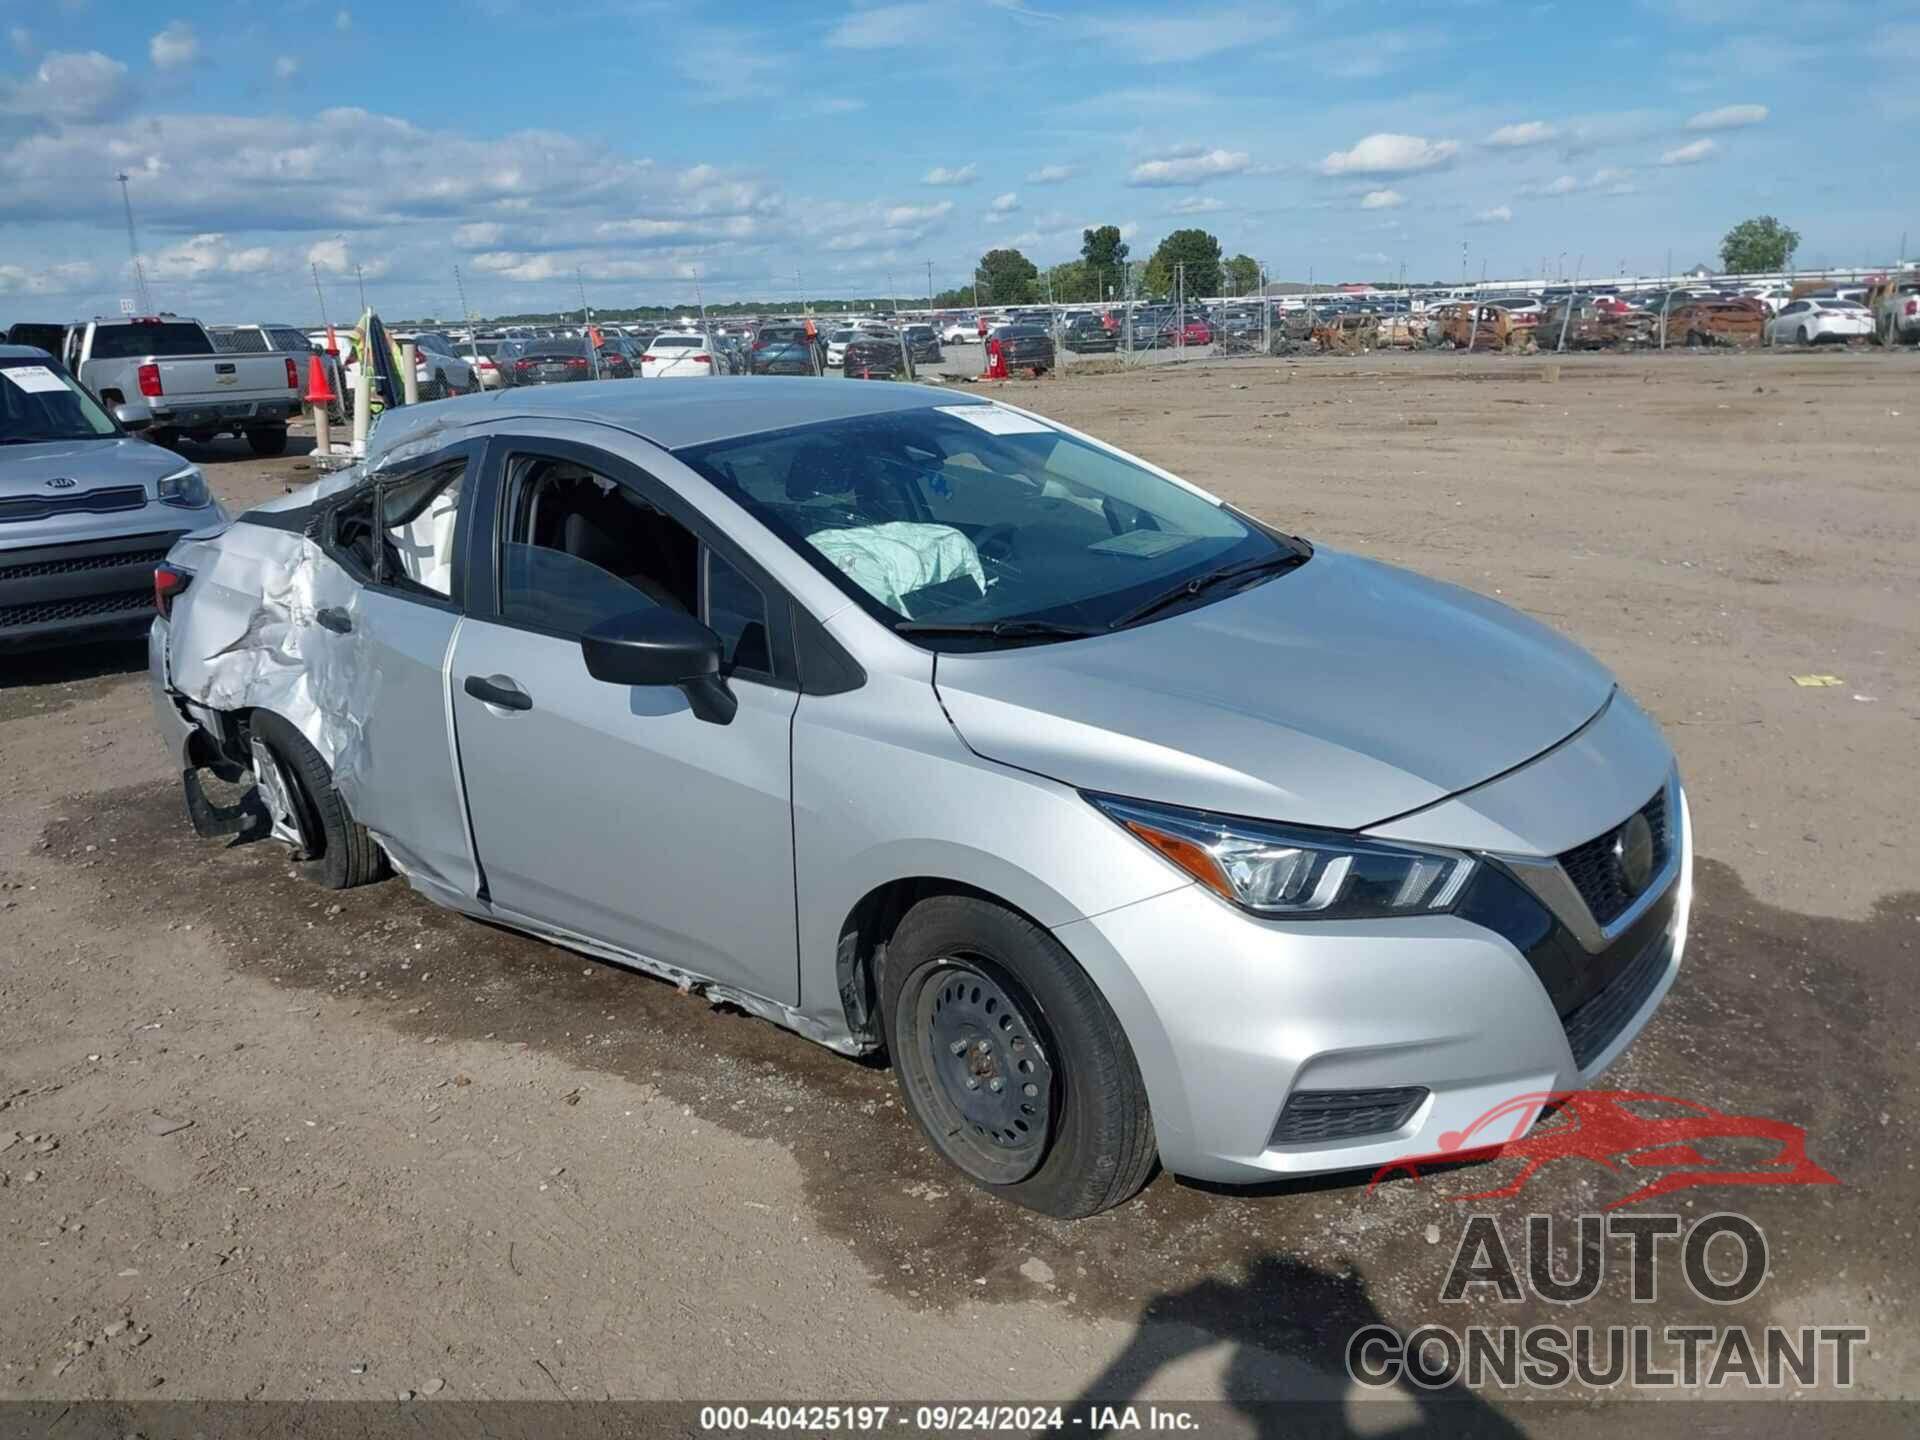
{"x":1131,"y":827}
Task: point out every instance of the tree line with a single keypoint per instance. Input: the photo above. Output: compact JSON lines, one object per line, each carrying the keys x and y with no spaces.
{"x":1188,"y":259}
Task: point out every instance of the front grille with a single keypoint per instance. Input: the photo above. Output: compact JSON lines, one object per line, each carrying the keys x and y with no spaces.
{"x":1595,"y":872}
{"x":76,"y":564}
{"x":1318,"y":1116}
{"x":1594,"y":1026}
{"x":87,"y":607}
{"x":87,"y":502}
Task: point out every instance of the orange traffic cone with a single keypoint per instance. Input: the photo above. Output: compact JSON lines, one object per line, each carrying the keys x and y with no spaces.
{"x":319,"y":388}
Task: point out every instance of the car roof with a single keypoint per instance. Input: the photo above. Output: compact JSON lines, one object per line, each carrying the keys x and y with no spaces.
{"x":23,"y":352}
{"x":726,"y":408}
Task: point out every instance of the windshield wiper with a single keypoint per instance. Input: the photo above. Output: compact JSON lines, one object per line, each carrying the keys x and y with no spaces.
{"x":997,"y":629}
{"x":1207,"y":580}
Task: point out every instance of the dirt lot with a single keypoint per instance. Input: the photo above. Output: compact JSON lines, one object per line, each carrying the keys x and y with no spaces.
{"x":308,"y":1145}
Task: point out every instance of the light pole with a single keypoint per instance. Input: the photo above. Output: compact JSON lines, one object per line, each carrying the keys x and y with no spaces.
{"x":133,"y":248}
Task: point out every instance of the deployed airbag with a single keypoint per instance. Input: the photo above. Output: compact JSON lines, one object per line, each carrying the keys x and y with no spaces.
{"x":893,"y":560}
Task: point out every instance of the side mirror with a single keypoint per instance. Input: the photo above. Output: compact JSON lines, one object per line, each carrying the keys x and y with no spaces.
{"x":133,"y":415}
{"x":658,"y":646}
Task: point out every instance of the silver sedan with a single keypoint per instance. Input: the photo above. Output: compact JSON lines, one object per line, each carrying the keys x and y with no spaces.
{"x":1131,"y":827}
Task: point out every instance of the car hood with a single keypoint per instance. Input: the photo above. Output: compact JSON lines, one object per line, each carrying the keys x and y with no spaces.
{"x":1339,"y":694}
{"x":93,"y":464}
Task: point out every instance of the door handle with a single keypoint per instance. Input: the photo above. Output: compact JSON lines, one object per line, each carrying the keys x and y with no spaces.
{"x":498,"y":690}
{"x":333,"y":618}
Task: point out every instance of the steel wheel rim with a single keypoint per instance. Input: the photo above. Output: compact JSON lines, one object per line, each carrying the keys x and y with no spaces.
{"x":987,"y":1075}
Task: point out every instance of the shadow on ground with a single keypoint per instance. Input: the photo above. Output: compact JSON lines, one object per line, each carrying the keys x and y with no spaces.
{"x":1799,"y":1018}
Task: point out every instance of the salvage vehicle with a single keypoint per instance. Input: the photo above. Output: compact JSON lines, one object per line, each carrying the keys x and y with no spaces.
{"x":785,"y":350}
{"x":171,"y":364}
{"x":1026,"y":347}
{"x":1895,"y":305}
{"x":1128,"y":825}
{"x":875,"y":355}
{"x":1597,"y":323}
{"x":86,"y":509}
{"x":1722,"y":320}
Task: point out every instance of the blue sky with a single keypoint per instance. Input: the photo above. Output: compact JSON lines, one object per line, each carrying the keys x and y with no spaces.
{"x":767,"y":147}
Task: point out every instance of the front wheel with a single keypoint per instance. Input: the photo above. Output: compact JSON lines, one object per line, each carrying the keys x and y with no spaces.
{"x":1011,"y":1061}
{"x":1800,"y":336}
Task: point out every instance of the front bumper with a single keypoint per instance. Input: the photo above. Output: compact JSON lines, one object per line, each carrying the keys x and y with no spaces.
{"x":1229,"y":1015}
{"x":79,"y":591}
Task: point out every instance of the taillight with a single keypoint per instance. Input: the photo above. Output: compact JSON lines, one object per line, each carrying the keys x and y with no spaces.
{"x":1913,"y":307}
{"x":150,"y":379}
{"x":168,"y":582}
{"x":703,"y":359}
{"x":578,"y":362}
{"x":649,"y":359}
{"x":293,"y":374}
{"x":523,"y":364}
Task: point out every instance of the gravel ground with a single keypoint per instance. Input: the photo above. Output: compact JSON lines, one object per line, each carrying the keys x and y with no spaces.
{"x":274,"y":1142}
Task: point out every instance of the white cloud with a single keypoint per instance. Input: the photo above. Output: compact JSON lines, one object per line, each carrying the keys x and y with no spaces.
{"x":1005,"y":204}
{"x":941,"y":175}
{"x":53,"y":279}
{"x":1389,"y":154}
{"x":481,"y":235}
{"x":207,"y":255}
{"x":1175,"y":35}
{"x":1189,"y":166}
{"x":1197,"y":205}
{"x":1689,"y":154}
{"x":21,"y":39}
{"x":67,"y":87}
{"x":175,"y":47}
{"x":1373,"y":257}
{"x":1382,"y":200}
{"x":343,"y":20}
{"x":836,"y":105}
{"x":908,"y":217}
{"x":886,"y":27}
{"x":1498,"y":215}
{"x":1728,"y":117}
{"x":1516,"y":137}
{"x":1050,"y":175}
{"x":285,"y":67}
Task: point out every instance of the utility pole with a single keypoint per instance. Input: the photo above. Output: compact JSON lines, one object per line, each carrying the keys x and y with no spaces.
{"x":322,"y":295}
{"x":133,"y":247}
{"x":360,"y":275}
{"x":586,"y":325}
{"x":467,"y":316}
{"x":929,"y":292}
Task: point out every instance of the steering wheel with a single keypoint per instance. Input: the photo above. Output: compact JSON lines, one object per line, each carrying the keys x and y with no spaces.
{"x":995,"y":542}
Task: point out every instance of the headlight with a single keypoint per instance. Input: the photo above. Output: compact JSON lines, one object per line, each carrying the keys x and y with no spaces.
{"x":1291,"y":873}
{"x":186,"y":488}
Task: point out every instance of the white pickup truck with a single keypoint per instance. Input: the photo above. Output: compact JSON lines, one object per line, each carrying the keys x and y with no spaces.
{"x":172,"y":365}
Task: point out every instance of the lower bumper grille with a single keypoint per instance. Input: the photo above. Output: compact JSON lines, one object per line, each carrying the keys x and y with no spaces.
{"x":1596,"y":1024}
{"x":90,"y":607}
{"x":1318,"y":1116}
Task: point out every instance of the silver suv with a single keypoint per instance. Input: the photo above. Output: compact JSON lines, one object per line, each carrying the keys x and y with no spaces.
{"x":86,"y":510}
{"x":1129,"y":826}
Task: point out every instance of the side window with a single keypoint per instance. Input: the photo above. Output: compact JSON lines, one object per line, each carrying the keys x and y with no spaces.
{"x":578,"y":548}
{"x":400,"y":532}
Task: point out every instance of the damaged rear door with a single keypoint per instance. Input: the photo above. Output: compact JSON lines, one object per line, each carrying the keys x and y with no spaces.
{"x":614,"y":812}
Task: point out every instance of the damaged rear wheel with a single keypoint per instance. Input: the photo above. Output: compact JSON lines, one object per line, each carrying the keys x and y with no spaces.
{"x":307,"y":811}
{"x":1012,"y":1061}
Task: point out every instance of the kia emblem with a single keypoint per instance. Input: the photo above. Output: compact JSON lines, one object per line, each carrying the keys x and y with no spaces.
{"x":61,"y":482}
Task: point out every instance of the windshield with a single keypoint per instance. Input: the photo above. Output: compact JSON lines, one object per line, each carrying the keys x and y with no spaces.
{"x":976,"y":515}
{"x":38,"y":402}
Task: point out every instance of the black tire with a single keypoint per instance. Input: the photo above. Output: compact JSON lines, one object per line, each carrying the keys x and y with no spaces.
{"x":165,"y":439}
{"x":342,"y":854}
{"x":1086,"y":1143}
{"x":1801,"y":336}
{"x":269,"y":441}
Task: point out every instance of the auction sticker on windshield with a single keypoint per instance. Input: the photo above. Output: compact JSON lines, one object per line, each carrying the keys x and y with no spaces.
{"x":996,"y":421}
{"x":35,"y":379}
